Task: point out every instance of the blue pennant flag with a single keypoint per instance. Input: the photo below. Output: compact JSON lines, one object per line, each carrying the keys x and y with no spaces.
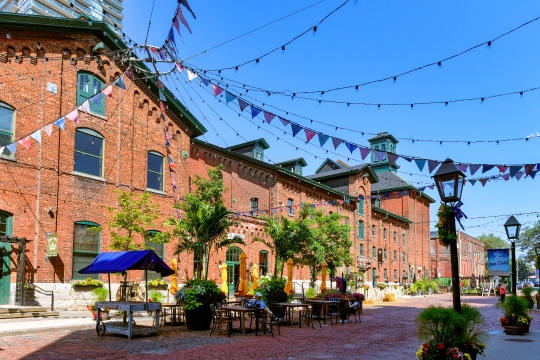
{"x":407,"y":158}
{"x":60,"y":123}
{"x":162,"y":96}
{"x":323,"y":139}
{"x":533,"y":173}
{"x":295,"y":129}
{"x":421,"y":188}
{"x":96,"y":99}
{"x":420,"y":163}
{"x":205,"y":81}
{"x":229,"y":97}
{"x":472,"y":182}
{"x":171,"y":36}
{"x":12,"y":148}
{"x":254,"y":111}
{"x":351,"y":147}
{"x":514,"y":170}
{"x":120,"y":82}
{"x":486,"y":168}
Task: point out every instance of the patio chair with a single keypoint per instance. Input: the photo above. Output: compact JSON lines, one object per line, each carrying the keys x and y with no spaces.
{"x":313,"y":312}
{"x":265,"y":320}
{"x":334,"y":311}
{"x":219,"y":318}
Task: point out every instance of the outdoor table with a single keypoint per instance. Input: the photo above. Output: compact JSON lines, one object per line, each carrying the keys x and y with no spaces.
{"x":176,"y":313}
{"x":290,"y":306}
{"x":324,"y":303}
{"x":242,"y":310}
{"x":129,"y":328}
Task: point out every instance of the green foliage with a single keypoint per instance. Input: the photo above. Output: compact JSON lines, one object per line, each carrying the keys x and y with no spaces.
{"x":271,"y":284}
{"x":465,"y":282}
{"x":381,"y":286}
{"x":195,"y":289}
{"x":87,"y":282}
{"x":100,"y":293}
{"x":443,"y":226}
{"x":206,"y":223}
{"x":527,"y":291}
{"x":513,"y":307}
{"x":424,"y":284}
{"x":524,"y":270}
{"x":310,"y":293}
{"x":492,"y":241}
{"x":529,"y":236}
{"x":157,"y":282}
{"x":439,"y":324}
{"x":156,"y":296}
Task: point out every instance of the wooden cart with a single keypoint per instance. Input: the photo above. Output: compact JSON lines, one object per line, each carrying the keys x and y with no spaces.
{"x":128,"y":327}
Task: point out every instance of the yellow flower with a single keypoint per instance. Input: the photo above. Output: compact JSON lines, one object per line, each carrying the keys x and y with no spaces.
{"x":419,"y":353}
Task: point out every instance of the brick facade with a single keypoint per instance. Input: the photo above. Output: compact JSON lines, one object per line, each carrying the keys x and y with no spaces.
{"x":471,"y":253}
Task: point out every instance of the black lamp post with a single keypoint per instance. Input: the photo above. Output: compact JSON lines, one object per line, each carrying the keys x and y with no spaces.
{"x":449,"y":181}
{"x":537,"y":249}
{"x":512,"y":227}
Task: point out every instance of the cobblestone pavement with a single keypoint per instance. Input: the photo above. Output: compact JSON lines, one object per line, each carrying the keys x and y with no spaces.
{"x":387,"y":331}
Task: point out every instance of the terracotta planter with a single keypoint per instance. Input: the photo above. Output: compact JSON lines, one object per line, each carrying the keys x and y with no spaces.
{"x":514,"y":329}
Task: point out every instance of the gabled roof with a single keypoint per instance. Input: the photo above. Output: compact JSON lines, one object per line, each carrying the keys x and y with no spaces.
{"x":301,"y":161}
{"x":105,"y":34}
{"x":331,"y":162}
{"x":261,"y":141}
{"x":388,"y":181}
{"x":346,"y":171}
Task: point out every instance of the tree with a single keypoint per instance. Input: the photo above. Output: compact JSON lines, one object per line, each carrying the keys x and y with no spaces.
{"x":206,"y":222}
{"x":524,"y":270}
{"x":529,"y":236}
{"x":492,"y":241}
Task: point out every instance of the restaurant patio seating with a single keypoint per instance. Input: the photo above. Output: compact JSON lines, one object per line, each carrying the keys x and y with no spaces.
{"x":313,"y":312}
{"x":219,"y":318}
{"x":263,"y":318}
{"x":334,"y":310}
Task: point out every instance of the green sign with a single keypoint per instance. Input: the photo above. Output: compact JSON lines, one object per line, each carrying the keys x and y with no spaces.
{"x":52,"y":244}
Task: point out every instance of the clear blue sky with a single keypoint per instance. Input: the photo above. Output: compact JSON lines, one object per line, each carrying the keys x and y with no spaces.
{"x":368,"y":41}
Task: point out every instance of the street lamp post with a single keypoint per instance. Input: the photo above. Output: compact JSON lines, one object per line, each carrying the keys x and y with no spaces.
{"x":449,"y":181}
{"x":512,"y":227}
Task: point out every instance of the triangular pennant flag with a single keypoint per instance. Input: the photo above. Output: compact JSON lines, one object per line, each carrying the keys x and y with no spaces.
{"x":295,"y":129}
{"x":351,"y":147}
{"x":255,"y":111}
{"x":462,"y":167}
{"x":529,"y":168}
{"x":483,"y":181}
{"x":163,"y":117}
{"x":407,"y":158}
{"x":531,"y":174}
{"x":191,"y":75}
{"x":538,"y":167}
{"x":176,"y":24}
{"x":336,"y":142}
{"x":180,"y":68}
{"x":183,"y":19}
{"x":502,"y":168}
{"x":25,"y":142}
{"x":403,"y":192}
{"x":60,"y":123}
{"x":120,"y":82}
{"x":364,"y":152}
{"x":161,"y":95}
{"x":431,"y":187}
{"x":386,"y":195}
{"x":514,"y":170}
{"x":96,"y":99}
{"x":73,"y":116}
{"x":432,"y":165}
{"x":309,"y":134}
{"x":129,"y":73}
{"x":204,"y":80}
{"x":473,"y":168}
{"x":242,"y":104}
{"x":229,"y":97}
{"x":12,"y":148}
{"x":392,"y":158}
{"x":84,"y":106}
{"x":421,"y":188}
{"x":168,"y":137}
{"x":379,"y":155}
{"x":323,"y":139}
{"x":47,"y":129}
{"x":472,"y":182}
{"x":486,"y":168}
{"x":269,"y":117}
{"x":186,"y":5}
{"x":217,"y":90}
{"x":159,"y":84}
{"x":171,"y":36}
{"x":36,"y":135}
{"x":506,"y":177}
{"x":420,"y":163}
{"x":107,"y":91}
{"x":162,"y":107}
{"x":519,"y":174}
{"x":285,"y":122}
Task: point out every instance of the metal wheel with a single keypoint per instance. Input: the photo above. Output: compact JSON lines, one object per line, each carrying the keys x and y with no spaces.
{"x":100,"y":328}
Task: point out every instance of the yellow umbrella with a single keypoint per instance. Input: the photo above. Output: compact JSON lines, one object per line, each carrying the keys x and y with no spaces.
{"x":255,"y":275}
{"x":323,"y":278}
{"x":242,"y":287}
{"x":174,"y":282}
{"x":224,"y":286}
{"x":289,"y":287}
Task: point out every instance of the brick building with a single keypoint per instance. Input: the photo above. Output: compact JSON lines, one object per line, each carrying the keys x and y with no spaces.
{"x":471,"y":252}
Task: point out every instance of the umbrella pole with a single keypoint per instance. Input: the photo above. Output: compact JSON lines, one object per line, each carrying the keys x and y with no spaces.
{"x":146,"y":282}
{"x":109,"y":277}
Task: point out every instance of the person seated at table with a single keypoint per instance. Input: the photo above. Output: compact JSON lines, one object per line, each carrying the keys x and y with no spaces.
{"x":351,"y":308}
{"x":261,"y":304}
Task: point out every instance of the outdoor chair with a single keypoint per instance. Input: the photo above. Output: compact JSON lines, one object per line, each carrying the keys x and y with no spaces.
{"x":334,"y":311}
{"x":357,"y":314}
{"x":313,"y":312}
{"x":219,"y":318}
{"x":265,"y":320}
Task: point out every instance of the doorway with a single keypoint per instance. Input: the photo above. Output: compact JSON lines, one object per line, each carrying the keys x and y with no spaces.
{"x":374,"y":277}
{"x":5,"y":258}
{"x":232,"y":259}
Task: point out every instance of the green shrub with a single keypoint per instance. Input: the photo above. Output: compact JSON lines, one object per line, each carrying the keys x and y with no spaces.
{"x":155,"y":296}
{"x":514,"y":306}
{"x":100,"y":293}
{"x":310,"y":293}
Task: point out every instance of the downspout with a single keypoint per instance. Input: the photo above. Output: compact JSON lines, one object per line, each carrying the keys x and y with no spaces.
{"x":415,"y":248}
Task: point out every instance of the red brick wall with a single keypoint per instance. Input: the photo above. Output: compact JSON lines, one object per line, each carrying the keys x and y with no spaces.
{"x":471,"y":257}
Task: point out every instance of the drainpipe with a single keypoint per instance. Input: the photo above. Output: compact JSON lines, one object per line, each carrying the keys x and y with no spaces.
{"x":415,"y":249}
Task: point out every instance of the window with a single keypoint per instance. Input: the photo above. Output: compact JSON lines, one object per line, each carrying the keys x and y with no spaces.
{"x":360,"y":229}
{"x":7,"y":122}
{"x":373,"y":252}
{"x":88,"y":152}
{"x":361,"y":249}
{"x":263,"y":262}
{"x":403,"y":258}
{"x":383,"y":148}
{"x":375,"y":157}
{"x":385,"y":275}
{"x":395,"y":237}
{"x":290,"y":207}
{"x":384,"y":234}
{"x":258,"y":152}
{"x":360,"y":206}
{"x":158,"y":249}
{"x":87,"y":86}
{"x":154,"y":178}
{"x":432,"y":247}
{"x":373,"y":231}
{"x":384,"y":254}
{"x":403,"y":239}
{"x":376,"y":202}
{"x":395,"y":275}
{"x":395,"y":255}
{"x":85,"y":248}
{"x":254,"y":204}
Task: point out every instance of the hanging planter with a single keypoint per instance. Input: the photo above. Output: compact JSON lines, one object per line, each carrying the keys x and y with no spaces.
{"x":443,"y":226}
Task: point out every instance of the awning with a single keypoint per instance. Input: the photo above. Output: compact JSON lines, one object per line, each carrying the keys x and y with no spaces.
{"x":119,"y":262}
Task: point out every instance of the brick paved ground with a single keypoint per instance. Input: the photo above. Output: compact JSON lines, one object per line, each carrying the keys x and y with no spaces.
{"x":386,"y":332}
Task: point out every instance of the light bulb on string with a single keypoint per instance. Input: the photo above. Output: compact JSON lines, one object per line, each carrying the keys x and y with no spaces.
{"x":489,"y":44}
{"x":446,"y":104}
{"x":412,"y":106}
{"x":521,"y":94}
{"x":379,"y":107}
{"x":395,"y":78}
{"x":314,"y":30}
{"x":236,"y":69}
{"x":257,"y":61}
{"x":439,"y":64}
{"x":7,"y":35}
{"x":283,"y":49}
{"x":356,"y":88}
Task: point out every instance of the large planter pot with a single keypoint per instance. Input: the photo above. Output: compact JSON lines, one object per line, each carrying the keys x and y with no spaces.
{"x":514,"y":329}
{"x":277,"y":297}
{"x":526,"y":327}
{"x":29,"y":297}
{"x":159,"y":287}
{"x":199,"y":319}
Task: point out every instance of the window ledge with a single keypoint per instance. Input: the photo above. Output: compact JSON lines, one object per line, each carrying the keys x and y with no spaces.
{"x":102,"y":117}
{"x":99,"y":178}
{"x":156,"y":191}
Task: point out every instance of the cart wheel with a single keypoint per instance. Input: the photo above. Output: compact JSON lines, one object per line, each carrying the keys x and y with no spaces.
{"x":100,"y":329}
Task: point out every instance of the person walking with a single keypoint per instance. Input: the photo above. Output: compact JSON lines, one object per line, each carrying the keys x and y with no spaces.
{"x":502,"y":292}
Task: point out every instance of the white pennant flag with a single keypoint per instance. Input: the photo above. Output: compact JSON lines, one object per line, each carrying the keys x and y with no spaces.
{"x":191,"y":75}
{"x":37,"y":136}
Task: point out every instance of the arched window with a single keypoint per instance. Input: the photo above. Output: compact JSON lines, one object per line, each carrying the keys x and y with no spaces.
{"x":89,"y":85}
{"x":384,"y":234}
{"x":395,"y":276}
{"x":254,"y":204}
{"x":395,"y":255}
{"x":361,"y":249}
{"x":403,"y":239}
{"x":385,"y":277}
{"x":154,"y":177}
{"x":290,"y":206}
{"x":7,"y":126}
{"x":395,"y":237}
{"x":360,"y":229}
{"x":88,"y":152}
{"x":384,"y":254}
{"x":373,"y":233}
{"x":373,"y":252}
{"x":158,"y":249}
{"x":360,"y":206}
{"x":86,"y":244}
{"x":263,"y":262}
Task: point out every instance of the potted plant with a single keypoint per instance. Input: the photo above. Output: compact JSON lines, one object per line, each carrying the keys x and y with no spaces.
{"x":158,"y":284}
{"x":272,"y":288}
{"x":86,"y":284}
{"x":101,"y":295}
{"x":381,"y":286}
{"x":197,"y":295}
{"x":527,"y":295}
{"x":155,"y":296}
{"x":516,"y":314}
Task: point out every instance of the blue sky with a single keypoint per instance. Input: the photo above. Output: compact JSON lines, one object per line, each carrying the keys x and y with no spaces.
{"x":369,"y":41}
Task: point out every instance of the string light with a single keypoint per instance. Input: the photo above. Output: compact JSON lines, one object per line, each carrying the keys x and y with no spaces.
{"x":7,"y":35}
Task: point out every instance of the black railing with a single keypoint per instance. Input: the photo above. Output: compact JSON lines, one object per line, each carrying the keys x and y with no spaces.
{"x":46,"y":292}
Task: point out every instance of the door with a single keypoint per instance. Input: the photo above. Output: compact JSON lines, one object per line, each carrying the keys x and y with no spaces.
{"x":233,"y":268}
{"x":374,"y":276}
{"x":5,"y":258}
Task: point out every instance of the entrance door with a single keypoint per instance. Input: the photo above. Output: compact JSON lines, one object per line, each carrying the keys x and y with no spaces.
{"x":233,"y":268}
{"x":374,"y":276}
{"x":5,"y":259}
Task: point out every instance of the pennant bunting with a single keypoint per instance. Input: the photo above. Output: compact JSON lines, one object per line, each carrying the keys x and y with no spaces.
{"x":25,"y":142}
{"x":176,"y":24}
{"x":538,"y":167}
{"x":407,"y":158}
{"x":392,"y":158}
{"x":462,"y":167}
{"x":96,"y":99}
{"x":162,"y":107}
{"x":432,"y":165}
{"x":379,"y":155}
{"x":168,"y":137}
{"x":12,"y":148}
{"x":336,"y":142}
{"x":180,"y":68}
{"x":421,"y":188}
{"x":531,"y":174}
{"x":255,"y":111}
{"x":159,"y":84}
{"x":73,"y":116}
{"x":309,"y":134}
{"x":403,"y":192}
{"x":514,"y":170}
{"x":47,"y":129}
{"x":129,"y":73}
{"x":107,"y":91}
{"x":364,"y":152}
{"x":269,"y":117}
{"x":529,"y":168}
{"x":84,"y":106}
{"x":323,"y":139}
{"x":483,"y":181}
{"x":519,"y":174}
{"x":420,"y":163}
{"x":217,"y":90}
{"x":161,"y":95}
{"x":171,"y":36}
{"x":431,"y":187}
{"x":60,"y":123}
{"x":186,"y":5}
{"x":204,"y":80}
{"x":351,"y":147}
{"x":120,"y":82}
{"x":502,"y":168}
{"x":506,"y":177}
{"x":472,"y":182}
{"x":295,"y":129}
{"x":191,"y":75}
{"x":182,"y":19}
{"x":242,"y":104}
{"x":285,"y":122}
{"x":36,"y":135}
{"x":473,"y":168}
{"x":229,"y":97}
{"x":486,"y":168}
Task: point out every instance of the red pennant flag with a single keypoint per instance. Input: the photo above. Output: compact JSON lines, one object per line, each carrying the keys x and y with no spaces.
{"x":160,"y":84}
{"x":183,"y":19}
{"x":484,"y":181}
{"x":176,"y":25}
{"x":309,"y":134}
{"x":217,"y":90}
{"x":25,"y":142}
{"x":108,"y":91}
{"x":502,"y":168}
{"x":162,"y":106}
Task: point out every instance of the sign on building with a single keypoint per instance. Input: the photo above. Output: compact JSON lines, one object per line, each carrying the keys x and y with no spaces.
{"x":498,"y":262}
{"x":52,"y":244}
